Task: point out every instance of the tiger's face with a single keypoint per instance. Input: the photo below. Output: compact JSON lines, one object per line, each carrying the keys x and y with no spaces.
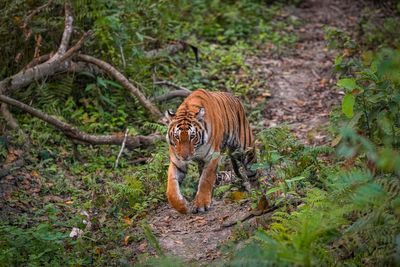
{"x":186,"y":134}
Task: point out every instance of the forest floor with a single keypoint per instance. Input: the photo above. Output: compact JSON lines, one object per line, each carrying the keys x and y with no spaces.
{"x":301,"y":86}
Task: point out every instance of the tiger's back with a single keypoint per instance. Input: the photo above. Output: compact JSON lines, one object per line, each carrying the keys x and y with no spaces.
{"x":225,"y":118}
{"x":205,"y":124}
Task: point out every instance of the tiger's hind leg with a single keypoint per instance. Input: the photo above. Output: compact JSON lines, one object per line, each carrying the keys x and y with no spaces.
{"x":241,"y":163}
{"x":249,"y":159}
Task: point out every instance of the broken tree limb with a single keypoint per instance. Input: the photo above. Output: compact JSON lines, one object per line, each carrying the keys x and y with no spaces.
{"x":171,"y":95}
{"x":77,"y":135}
{"x":48,"y":68}
{"x":170,"y":84}
{"x":122,"y":148}
{"x":74,"y":48}
{"x":169,"y":49}
{"x":113,"y":72}
{"x":38,"y":60}
{"x":11,"y":121}
{"x":66,"y":34}
{"x":172,"y":49}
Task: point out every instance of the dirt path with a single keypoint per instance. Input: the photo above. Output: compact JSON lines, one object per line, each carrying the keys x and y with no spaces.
{"x":300,"y":85}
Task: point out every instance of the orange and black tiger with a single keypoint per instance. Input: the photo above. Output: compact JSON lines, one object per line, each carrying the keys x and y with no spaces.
{"x":204,"y":125}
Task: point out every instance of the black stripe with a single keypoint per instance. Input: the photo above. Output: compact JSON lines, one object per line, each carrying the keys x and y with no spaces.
{"x":240,"y":127}
{"x":227,"y":119}
{"x":245,"y":135}
{"x":179,"y":169}
{"x":208,"y":151}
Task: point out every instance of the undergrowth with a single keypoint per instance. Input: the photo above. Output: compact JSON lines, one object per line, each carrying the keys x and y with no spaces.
{"x":347,"y":212}
{"x":66,"y":189}
{"x":69,"y":205}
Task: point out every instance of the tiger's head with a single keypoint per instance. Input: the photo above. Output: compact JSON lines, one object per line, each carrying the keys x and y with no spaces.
{"x":186,"y":132}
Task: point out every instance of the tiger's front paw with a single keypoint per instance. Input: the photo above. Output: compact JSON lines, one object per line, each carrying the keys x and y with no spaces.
{"x":202,"y":203}
{"x":178,"y":203}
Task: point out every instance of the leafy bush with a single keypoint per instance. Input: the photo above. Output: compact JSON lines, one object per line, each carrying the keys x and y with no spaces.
{"x":350,"y":213}
{"x":38,"y":246}
{"x":372,"y":99}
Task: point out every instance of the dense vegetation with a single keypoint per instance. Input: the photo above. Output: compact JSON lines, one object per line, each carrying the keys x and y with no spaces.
{"x":339,"y":203}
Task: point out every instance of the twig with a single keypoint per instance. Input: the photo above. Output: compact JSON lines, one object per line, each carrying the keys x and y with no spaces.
{"x":315,"y":74}
{"x":122,"y":56}
{"x":37,"y":61}
{"x":66,"y":34}
{"x":74,"y":48}
{"x":257,"y":213}
{"x":248,"y":216}
{"x":170,"y":95}
{"x":76,"y":134}
{"x":28,"y":31}
{"x":122,"y":148}
{"x":38,"y":45}
{"x":170,"y":84}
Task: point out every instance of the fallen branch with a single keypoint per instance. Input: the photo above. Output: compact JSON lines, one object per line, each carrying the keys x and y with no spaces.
{"x":170,"y":84}
{"x":77,"y":135}
{"x":169,"y":49}
{"x":52,"y":66}
{"x":171,"y":95}
{"x":124,"y":82}
{"x":172,"y":49}
{"x":37,"y":60}
{"x":11,"y":121}
{"x":266,"y":211}
{"x":66,"y":34}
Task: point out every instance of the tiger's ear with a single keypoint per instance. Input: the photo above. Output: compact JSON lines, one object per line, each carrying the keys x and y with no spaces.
{"x":200,"y":114}
{"x":169,"y":114}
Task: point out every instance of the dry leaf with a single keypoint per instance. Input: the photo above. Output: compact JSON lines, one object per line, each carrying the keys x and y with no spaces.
{"x":237,"y":196}
{"x":142,"y":247}
{"x":126,"y":240}
{"x":98,"y":250}
{"x":35,"y":174}
{"x":54,"y":199}
{"x":127,"y":220}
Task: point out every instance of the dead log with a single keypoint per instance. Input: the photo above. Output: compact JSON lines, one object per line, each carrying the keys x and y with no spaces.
{"x":171,"y":95}
{"x":82,"y":137}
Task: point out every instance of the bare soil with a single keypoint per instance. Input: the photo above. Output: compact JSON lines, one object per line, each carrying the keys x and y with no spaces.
{"x":301,"y":86}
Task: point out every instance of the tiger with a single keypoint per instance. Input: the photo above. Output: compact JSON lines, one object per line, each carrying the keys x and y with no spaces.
{"x":204,"y":125}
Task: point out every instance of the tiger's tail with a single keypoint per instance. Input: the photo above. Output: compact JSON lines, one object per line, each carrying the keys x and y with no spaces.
{"x":245,"y":159}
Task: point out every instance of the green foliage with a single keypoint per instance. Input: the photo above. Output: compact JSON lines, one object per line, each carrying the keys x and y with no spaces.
{"x":377,"y":31}
{"x":37,"y":246}
{"x":354,"y":220}
{"x":152,"y":239}
{"x":284,"y":158}
{"x":374,"y":94}
{"x":350,"y":214}
{"x":338,"y":38}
